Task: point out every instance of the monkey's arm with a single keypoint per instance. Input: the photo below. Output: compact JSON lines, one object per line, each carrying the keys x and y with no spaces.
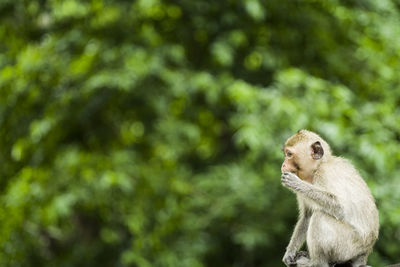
{"x":298,"y":236}
{"x":326,"y":200}
{"x":300,"y":231}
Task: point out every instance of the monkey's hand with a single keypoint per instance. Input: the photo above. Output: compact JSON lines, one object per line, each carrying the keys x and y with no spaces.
{"x":292,"y":181}
{"x":289,"y":258}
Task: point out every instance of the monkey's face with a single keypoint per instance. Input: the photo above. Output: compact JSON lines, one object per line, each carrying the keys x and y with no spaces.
{"x":302,"y":159}
{"x":290,"y":163}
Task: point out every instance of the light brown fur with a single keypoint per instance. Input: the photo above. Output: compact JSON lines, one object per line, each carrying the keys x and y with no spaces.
{"x":338,"y":216}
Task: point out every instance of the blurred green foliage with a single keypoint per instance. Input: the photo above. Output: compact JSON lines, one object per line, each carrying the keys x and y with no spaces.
{"x":148,"y":133}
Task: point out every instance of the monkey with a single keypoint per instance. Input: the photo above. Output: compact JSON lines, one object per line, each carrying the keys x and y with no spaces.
{"x":338,"y":218}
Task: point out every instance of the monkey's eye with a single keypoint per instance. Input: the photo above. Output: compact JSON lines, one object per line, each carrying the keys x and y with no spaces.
{"x":289,"y":154}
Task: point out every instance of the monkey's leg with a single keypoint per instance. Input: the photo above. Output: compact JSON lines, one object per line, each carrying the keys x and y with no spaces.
{"x":317,"y":258}
{"x":360,"y":261}
{"x":334,"y":241}
{"x":305,"y":262}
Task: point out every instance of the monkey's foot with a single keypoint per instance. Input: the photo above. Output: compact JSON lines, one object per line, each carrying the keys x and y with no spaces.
{"x":301,"y":259}
{"x":300,"y":254}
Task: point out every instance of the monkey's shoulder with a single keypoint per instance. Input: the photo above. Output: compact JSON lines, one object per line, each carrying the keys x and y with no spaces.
{"x":338,"y":168}
{"x":341,"y":178}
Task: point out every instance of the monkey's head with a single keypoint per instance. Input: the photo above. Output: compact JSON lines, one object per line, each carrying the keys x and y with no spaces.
{"x":304,"y":152}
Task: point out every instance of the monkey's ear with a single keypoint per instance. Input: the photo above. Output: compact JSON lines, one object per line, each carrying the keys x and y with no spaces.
{"x":317,"y":150}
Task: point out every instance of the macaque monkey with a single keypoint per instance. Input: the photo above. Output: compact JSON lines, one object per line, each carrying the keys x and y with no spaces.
{"x":338,"y":217}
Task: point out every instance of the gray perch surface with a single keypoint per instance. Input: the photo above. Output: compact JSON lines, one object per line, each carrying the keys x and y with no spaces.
{"x":301,"y":254}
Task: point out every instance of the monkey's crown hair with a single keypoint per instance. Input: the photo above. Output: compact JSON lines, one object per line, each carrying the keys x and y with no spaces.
{"x":308,"y":136}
